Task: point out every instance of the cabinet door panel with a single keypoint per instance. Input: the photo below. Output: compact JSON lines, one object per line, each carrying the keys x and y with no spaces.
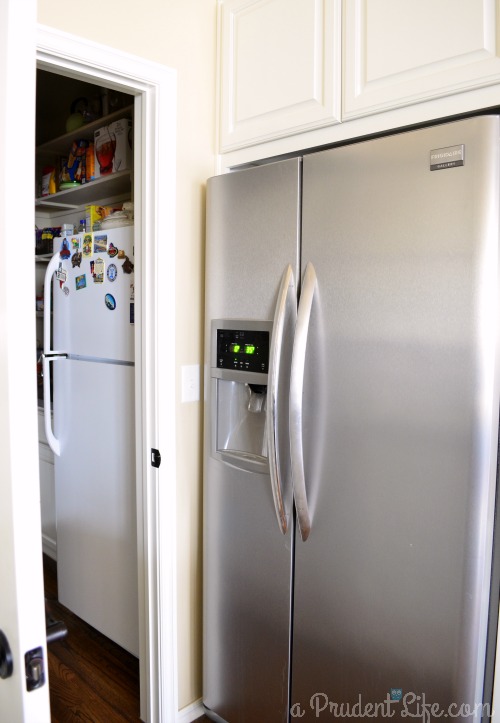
{"x":280,"y":70}
{"x":397,"y":52}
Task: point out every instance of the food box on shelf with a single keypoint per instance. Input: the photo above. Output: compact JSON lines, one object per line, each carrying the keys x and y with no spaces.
{"x":96,"y":214}
{"x":73,"y":167}
{"x":113,"y":148}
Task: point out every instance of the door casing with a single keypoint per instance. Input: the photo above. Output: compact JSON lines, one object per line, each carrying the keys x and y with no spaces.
{"x":154,"y":89}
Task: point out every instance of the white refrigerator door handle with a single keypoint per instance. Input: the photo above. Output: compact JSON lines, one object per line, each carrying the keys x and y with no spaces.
{"x":47,"y":305}
{"x":54,"y":443}
{"x":286,"y":310}
{"x":296,"y":390}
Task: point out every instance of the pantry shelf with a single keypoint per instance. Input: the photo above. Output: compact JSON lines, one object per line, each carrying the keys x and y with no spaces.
{"x":112,"y":185}
{"x":62,"y":144}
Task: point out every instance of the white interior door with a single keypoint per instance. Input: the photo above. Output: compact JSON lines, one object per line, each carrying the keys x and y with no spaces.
{"x":22,"y":615}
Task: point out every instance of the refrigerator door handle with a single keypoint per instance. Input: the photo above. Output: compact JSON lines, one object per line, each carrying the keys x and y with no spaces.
{"x":47,"y":304}
{"x":286,"y":307}
{"x":54,"y":443}
{"x":296,"y":390}
{"x":47,"y":357}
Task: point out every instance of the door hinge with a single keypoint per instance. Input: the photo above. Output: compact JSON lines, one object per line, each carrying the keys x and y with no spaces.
{"x":155,"y":458}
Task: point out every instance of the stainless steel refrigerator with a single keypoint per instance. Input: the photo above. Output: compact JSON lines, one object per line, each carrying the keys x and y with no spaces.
{"x":352,"y":404}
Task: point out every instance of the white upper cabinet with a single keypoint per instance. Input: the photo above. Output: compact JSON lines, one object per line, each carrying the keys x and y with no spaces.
{"x":279,"y":68}
{"x":400,"y":52}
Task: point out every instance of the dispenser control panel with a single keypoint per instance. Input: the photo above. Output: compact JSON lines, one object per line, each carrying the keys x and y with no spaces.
{"x":243,"y":350}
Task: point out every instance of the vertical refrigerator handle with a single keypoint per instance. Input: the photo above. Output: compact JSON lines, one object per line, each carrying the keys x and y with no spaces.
{"x":47,"y":305}
{"x":285,"y":312}
{"x":54,"y":443}
{"x":47,"y":357}
{"x":296,"y":390}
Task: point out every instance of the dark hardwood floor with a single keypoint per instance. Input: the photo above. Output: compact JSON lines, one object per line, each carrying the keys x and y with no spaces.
{"x":91,"y":678}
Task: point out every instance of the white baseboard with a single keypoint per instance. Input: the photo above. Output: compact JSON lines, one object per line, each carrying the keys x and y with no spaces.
{"x":190,"y":712}
{"x":49,"y":547}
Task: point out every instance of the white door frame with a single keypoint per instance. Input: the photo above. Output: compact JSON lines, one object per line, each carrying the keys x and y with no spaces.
{"x":154,"y":88}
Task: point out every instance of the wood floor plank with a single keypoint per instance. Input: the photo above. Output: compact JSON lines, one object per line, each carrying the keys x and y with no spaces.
{"x":91,"y":678}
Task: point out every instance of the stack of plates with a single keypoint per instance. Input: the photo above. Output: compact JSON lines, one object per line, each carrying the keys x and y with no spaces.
{"x":116,"y":219}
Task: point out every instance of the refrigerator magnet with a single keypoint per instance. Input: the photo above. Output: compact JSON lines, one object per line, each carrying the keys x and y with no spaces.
{"x":87,"y":246}
{"x":110,"y":302}
{"x":98,"y":271}
{"x":64,"y":253}
{"x":127,"y":265}
{"x":132,"y":312}
{"x":80,"y":282}
{"x":112,"y":272}
{"x":76,"y":243}
{"x":112,"y":251}
{"x":100,"y":243}
{"x":76,"y":259}
{"x":61,"y":274}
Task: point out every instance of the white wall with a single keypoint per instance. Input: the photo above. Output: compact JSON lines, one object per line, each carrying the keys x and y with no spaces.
{"x":182,"y":35}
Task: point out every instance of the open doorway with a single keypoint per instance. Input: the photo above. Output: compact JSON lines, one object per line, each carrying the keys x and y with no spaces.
{"x":87,"y":338}
{"x":152,"y":89}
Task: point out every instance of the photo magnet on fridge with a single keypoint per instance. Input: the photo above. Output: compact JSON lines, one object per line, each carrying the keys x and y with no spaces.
{"x":100,"y":244}
{"x":98,"y":271}
{"x":81,"y":282}
{"x":87,"y":246}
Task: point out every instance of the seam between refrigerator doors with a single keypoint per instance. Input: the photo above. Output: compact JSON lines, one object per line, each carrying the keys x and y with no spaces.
{"x":292,"y":594}
{"x":294,"y":518}
{"x":299,"y":229}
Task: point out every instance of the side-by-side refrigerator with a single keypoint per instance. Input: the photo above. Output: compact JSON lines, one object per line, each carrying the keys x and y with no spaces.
{"x":89,"y":363}
{"x":352,"y":405}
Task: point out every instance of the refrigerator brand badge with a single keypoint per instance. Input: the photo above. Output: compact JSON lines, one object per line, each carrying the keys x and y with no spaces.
{"x":447,"y":157}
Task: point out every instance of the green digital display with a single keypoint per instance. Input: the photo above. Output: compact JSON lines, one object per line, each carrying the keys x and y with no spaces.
{"x":243,"y":349}
{"x":239,"y":349}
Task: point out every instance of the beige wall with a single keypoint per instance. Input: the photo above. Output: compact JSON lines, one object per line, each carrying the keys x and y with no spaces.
{"x":182,"y":35}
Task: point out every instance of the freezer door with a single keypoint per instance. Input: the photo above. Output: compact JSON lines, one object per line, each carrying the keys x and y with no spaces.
{"x":400,"y":423}
{"x":94,"y":304}
{"x":96,"y":496}
{"x":252,"y":240}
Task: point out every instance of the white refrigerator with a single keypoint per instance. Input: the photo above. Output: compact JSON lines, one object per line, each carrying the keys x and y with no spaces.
{"x":88,"y":371}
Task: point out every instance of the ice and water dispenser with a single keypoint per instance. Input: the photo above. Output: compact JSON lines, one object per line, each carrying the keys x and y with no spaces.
{"x":239,"y":368}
